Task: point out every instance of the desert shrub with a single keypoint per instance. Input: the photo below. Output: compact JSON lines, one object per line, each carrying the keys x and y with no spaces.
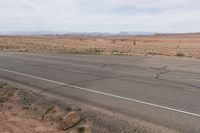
{"x":134,"y":42}
{"x":180,"y":54}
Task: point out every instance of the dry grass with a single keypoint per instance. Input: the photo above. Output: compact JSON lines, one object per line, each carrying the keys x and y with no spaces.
{"x":166,"y":45}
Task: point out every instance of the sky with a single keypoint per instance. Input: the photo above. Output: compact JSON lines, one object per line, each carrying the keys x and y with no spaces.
{"x":164,"y":16}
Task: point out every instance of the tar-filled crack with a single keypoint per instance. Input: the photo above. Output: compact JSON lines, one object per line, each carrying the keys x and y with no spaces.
{"x":91,"y":80}
{"x":164,"y":68}
{"x":102,"y":66}
{"x":49,"y":89}
{"x":158,"y":75}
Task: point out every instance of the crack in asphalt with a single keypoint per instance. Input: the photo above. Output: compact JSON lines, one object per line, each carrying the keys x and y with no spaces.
{"x":158,"y":75}
{"x":102,"y":66}
{"x":49,"y":89}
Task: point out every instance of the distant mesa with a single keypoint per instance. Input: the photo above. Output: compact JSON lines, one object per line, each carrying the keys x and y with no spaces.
{"x":101,"y":34}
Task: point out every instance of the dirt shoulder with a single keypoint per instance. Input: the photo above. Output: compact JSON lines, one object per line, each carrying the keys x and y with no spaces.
{"x":26,"y":112}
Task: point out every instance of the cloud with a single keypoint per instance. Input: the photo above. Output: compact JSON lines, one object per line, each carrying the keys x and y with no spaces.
{"x":100,"y":15}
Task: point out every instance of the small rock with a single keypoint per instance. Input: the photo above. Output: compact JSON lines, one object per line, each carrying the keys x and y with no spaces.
{"x":73,"y":131}
{"x":52,"y":113}
{"x":70,"y":120}
{"x":40,"y":129}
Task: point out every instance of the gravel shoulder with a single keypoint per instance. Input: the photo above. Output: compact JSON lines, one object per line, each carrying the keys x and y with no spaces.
{"x":24,"y":110}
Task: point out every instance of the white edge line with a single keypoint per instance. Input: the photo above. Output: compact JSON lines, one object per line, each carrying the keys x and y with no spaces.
{"x":103,"y":93}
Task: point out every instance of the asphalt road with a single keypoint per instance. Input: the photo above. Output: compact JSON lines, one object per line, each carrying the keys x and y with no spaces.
{"x":164,"y":91}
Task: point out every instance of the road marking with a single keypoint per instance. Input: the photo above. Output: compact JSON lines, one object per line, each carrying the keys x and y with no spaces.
{"x":103,"y":93}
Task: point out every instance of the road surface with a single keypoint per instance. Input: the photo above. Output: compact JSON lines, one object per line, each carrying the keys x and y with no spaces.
{"x":164,"y":91}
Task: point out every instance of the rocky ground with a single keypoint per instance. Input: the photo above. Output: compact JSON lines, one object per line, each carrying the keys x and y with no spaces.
{"x":28,"y":112}
{"x":23,"y":110}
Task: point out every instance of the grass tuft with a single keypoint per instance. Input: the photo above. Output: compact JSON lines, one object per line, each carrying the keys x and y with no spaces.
{"x":180,"y":54}
{"x":81,"y":130}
